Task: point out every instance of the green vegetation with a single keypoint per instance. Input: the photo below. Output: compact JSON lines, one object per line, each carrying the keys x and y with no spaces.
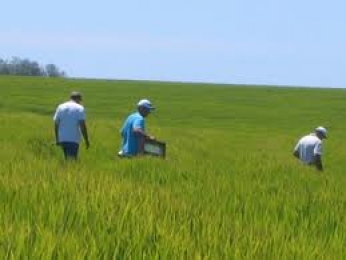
{"x":25,"y":67}
{"x":228,"y":189}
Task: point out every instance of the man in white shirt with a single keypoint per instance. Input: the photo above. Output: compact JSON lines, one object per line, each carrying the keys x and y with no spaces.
{"x":69,"y":122}
{"x":309,"y":148}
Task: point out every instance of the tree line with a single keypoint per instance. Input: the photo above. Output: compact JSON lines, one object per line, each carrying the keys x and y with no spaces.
{"x":26,"y":67}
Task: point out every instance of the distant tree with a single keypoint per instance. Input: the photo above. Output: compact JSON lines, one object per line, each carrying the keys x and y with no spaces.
{"x":14,"y":66}
{"x":3,"y":67}
{"x":26,"y":67}
{"x":29,"y":68}
{"x":53,"y":71}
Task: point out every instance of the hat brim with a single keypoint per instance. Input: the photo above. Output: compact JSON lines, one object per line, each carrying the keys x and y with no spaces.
{"x":76,"y":97}
{"x":323,"y":134}
{"x":148,"y":108}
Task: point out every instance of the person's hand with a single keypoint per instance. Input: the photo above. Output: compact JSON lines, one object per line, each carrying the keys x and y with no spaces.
{"x":150,"y":137}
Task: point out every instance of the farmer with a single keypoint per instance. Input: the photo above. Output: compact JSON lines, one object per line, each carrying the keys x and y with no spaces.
{"x":309,"y":148}
{"x":69,"y":122}
{"x":133,"y":131}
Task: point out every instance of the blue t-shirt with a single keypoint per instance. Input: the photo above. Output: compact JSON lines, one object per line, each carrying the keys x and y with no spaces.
{"x":132,"y":140}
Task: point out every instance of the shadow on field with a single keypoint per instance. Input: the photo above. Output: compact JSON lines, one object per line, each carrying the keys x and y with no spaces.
{"x":42,"y":148}
{"x":39,"y":111}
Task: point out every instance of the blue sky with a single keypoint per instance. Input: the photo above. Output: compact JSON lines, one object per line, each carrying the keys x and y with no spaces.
{"x":301,"y":43}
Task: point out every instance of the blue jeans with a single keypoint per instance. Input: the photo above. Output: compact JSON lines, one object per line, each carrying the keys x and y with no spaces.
{"x":70,"y":150}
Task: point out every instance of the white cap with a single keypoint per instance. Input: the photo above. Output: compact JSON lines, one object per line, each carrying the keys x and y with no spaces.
{"x":321,"y":130}
{"x":145,"y":103}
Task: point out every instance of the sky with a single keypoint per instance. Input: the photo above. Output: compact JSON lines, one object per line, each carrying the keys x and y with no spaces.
{"x":271,"y":42}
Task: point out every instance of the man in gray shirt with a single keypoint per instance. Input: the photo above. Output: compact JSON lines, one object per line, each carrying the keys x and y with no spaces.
{"x":309,"y":148}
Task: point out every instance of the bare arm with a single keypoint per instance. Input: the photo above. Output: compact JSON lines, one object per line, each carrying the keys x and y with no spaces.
{"x":56,"y":119}
{"x":141,"y":133}
{"x":56,"y":131}
{"x":318,"y":162}
{"x":84,"y":131}
{"x":143,"y":136}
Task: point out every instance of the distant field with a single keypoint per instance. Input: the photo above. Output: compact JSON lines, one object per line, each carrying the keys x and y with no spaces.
{"x":228,"y":189}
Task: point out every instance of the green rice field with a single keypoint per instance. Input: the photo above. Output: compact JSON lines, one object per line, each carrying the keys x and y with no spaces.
{"x":229,"y":187}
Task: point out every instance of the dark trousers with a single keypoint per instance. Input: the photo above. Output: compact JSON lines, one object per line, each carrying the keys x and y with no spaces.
{"x":70,"y":150}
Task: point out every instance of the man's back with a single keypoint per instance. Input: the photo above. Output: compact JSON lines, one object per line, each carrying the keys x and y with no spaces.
{"x":307,"y":147}
{"x":130,"y":139}
{"x":69,"y":114}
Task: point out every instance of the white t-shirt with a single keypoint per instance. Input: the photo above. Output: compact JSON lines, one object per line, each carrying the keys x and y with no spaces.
{"x":68,"y":115}
{"x":307,"y":147}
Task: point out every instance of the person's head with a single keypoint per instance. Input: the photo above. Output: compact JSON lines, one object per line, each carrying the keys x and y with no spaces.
{"x":145,"y":107}
{"x":321,"y":132}
{"x":76,"y":96}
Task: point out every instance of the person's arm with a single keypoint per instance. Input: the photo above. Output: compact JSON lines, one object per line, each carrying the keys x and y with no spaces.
{"x":296,"y":151}
{"x":143,"y":136}
{"x":138,"y":129}
{"x":142,"y":133}
{"x":56,"y":126}
{"x":318,"y":157}
{"x":318,"y":162}
{"x":56,"y":131}
{"x":83,"y":127}
{"x":84,"y":131}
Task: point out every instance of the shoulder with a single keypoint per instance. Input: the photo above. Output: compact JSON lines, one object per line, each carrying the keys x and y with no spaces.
{"x":75,"y":106}
{"x":317,"y":141}
{"x":80,"y":107}
{"x":302,"y":139}
{"x":61,"y":106}
{"x":138,"y":117}
{"x":135,"y":116}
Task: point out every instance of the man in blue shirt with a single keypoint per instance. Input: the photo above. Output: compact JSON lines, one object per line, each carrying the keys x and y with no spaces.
{"x":133,"y":130}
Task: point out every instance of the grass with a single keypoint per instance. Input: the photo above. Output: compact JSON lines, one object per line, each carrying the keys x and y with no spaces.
{"x":228,"y":189}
